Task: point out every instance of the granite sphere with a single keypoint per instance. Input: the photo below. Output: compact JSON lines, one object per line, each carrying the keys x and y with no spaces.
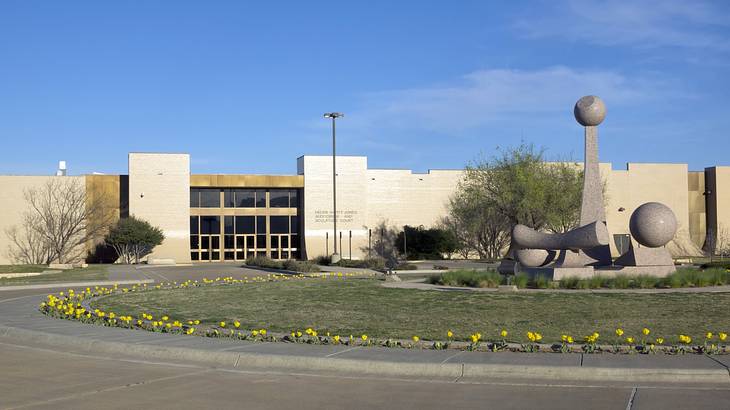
{"x":532,"y":258}
{"x":653,"y":224}
{"x":589,"y":111}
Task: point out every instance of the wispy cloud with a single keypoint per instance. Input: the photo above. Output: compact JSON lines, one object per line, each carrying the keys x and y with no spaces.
{"x":693,"y":24}
{"x":495,"y":95}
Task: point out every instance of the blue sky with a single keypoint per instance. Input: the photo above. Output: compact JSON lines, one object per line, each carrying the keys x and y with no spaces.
{"x":242,"y":86}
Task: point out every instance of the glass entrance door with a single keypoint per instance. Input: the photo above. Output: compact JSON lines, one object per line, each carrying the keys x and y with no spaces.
{"x":210,"y":248}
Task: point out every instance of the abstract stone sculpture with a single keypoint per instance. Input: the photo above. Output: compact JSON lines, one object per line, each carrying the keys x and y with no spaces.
{"x":653,"y":225}
{"x":586,"y":248}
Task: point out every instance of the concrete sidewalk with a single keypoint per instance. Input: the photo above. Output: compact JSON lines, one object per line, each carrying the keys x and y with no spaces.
{"x":21,"y":322}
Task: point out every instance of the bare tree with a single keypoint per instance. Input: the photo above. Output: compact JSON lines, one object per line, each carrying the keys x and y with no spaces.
{"x":60,"y":220}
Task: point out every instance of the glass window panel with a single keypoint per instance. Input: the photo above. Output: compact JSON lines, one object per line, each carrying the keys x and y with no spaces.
{"x":228,"y":225}
{"x":228,"y":241}
{"x":260,"y":224}
{"x":284,"y":254}
{"x":245,"y":198}
{"x":194,"y":256}
{"x":210,"y":225}
{"x":294,"y":241}
{"x":245,"y":224}
{"x":295,"y":254}
{"x":250,"y":242}
{"x":228,"y":198}
{"x":215,"y":242}
{"x":261,"y":254}
{"x":204,"y":242}
{"x":210,"y":198}
{"x":240,"y":256}
{"x":279,"y":224}
{"x":228,"y":256}
{"x":274,"y":241}
{"x":279,"y":198}
{"x":194,"y":198}
{"x":215,"y":256}
{"x":284,"y":241}
{"x":261,"y":241}
{"x":294,"y":224}
{"x":294,"y":198}
{"x":194,"y":225}
{"x":260,"y":198}
{"x":240,"y":242}
{"x":194,"y":241}
{"x":204,"y":256}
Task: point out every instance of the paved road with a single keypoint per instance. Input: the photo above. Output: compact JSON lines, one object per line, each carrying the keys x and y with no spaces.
{"x":36,"y":376}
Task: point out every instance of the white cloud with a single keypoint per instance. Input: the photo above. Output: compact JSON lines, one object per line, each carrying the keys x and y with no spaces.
{"x":642,"y":23}
{"x":494,"y":95}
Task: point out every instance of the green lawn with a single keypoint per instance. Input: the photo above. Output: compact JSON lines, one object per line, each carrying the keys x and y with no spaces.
{"x":356,"y":306}
{"x":93,"y":272}
{"x":22,"y":268}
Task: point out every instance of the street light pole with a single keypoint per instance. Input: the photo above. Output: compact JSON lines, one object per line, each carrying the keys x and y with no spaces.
{"x":334,"y":116}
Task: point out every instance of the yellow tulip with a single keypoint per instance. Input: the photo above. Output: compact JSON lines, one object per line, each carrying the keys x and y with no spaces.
{"x":645,"y":331}
{"x":619,"y":332}
{"x":222,"y":324}
{"x":709,"y":335}
{"x":449,"y":334}
{"x":503,"y":333}
{"x":416,"y":339}
{"x":660,"y":340}
{"x":364,"y":337}
{"x":236,"y":324}
{"x":722,"y":336}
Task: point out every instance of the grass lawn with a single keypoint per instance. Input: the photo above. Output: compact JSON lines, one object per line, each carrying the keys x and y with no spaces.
{"x":22,"y":268}
{"x":357,"y":306}
{"x":93,"y":272}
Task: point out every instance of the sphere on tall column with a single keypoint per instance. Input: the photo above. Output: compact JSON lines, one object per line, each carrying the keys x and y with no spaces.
{"x":653,"y":224}
{"x":589,"y":111}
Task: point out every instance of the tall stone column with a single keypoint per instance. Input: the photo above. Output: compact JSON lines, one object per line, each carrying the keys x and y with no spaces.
{"x":590,"y":111}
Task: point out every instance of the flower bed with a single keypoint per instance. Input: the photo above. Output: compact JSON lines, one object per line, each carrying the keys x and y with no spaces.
{"x":76,"y":306}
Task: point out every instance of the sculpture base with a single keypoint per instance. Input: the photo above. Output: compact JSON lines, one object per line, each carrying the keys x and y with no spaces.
{"x":587,"y":272}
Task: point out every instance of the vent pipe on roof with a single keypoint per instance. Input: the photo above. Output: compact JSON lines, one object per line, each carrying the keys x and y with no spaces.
{"x":61,"y":169}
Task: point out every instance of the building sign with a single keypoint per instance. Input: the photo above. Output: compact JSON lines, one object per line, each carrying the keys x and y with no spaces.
{"x":344,"y":216}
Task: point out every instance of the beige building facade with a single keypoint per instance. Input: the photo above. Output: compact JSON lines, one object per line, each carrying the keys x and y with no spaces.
{"x":217,"y":217}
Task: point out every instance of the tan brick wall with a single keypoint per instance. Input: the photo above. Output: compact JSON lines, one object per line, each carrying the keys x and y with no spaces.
{"x":159,"y":192}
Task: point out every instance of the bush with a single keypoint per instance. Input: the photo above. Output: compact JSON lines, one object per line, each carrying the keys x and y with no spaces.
{"x":323,"y":260}
{"x":541,"y":282}
{"x":440,"y":267}
{"x":406,"y":266}
{"x":468,"y":278}
{"x":264,"y":262}
{"x":521,"y":280}
{"x":368,"y":263}
{"x":300,"y":266}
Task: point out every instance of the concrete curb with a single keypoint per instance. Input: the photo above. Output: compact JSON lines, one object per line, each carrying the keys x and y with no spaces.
{"x":57,"y":285}
{"x":272,"y":362}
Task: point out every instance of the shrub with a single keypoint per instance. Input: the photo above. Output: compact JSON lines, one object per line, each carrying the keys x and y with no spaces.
{"x":541,"y":282}
{"x":300,"y":266}
{"x":440,"y":267}
{"x":323,"y":260}
{"x":569,"y":283}
{"x":406,"y":266}
{"x":264,"y":262}
{"x":521,"y":280}
{"x":469,"y":278}
{"x":367,"y":263}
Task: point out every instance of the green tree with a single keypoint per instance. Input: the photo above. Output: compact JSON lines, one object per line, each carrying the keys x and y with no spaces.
{"x":517,"y":186}
{"x":133,"y":238}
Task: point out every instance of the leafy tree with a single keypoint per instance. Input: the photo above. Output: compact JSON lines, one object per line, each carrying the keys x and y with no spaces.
{"x":420,"y":243}
{"x":516,"y":186}
{"x":133,"y":238}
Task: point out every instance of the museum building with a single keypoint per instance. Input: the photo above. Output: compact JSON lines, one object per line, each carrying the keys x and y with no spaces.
{"x":229,"y":217}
